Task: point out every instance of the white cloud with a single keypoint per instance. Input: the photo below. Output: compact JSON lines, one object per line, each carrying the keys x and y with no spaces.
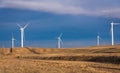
{"x":87,"y":7}
{"x":48,"y":6}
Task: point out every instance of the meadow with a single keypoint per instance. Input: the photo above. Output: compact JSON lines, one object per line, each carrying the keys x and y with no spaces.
{"x":102,"y":59}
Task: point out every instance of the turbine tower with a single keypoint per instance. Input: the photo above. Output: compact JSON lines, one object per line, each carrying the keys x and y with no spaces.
{"x":13,"y":39}
{"x":22,"y":34}
{"x":98,"y":40}
{"x":59,"y":40}
{"x":112,"y":31}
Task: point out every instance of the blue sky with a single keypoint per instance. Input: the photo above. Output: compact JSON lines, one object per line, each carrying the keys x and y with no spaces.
{"x":79,"y":20}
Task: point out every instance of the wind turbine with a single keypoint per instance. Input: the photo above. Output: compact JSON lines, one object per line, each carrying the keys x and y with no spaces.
{"x":13,"y":39}
{"x":112,"y":31}
{"x":22,"y":34}
{"x":59,"y":40}
{"x":98,"y":40}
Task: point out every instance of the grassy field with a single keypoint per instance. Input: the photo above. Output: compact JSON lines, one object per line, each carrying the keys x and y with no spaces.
{"x":103,"y":59}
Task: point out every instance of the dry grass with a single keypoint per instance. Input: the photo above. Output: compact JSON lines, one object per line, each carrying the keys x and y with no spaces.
{"x":44,"y":66}
{"x":104,"y":59}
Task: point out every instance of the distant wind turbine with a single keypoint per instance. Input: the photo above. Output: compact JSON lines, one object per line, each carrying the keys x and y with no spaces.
{"x":22,"y":34}
{"x":59,"y":40}
{"x":13,"y":39}
{"x":112,"y":31}
{"x":98,"y":40}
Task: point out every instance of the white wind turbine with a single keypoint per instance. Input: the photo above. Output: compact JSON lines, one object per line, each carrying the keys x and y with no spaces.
{"x":22,"y":34}
{"x":59,"y":40}
{"x":112,"y":31}
{"x":98,"y":40}
{"x":13,"y":39}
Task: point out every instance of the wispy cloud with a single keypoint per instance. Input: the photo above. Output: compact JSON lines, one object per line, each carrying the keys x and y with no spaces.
{"x":87,"y":7}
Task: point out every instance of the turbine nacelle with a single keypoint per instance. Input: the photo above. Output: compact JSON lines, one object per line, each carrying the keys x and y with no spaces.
{"x":59,"y":38}
{"x":21,"y":29}
{"x":13,"y":39}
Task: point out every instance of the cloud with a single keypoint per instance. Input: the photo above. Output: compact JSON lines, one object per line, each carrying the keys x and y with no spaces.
{"x":75,"y":7}
{"x":48,"y":6}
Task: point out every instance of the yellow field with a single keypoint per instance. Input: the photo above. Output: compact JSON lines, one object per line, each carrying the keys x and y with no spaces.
{"x":104,"y":59}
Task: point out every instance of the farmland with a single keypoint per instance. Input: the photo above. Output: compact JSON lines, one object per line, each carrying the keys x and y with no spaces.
{"x":103,"y":59}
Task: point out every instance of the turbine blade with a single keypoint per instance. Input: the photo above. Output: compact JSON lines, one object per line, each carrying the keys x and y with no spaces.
{"x":61,"y":41}
{"x":26,"y":25}
{"x":19,"y":25}
{"x":116,"y":23}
